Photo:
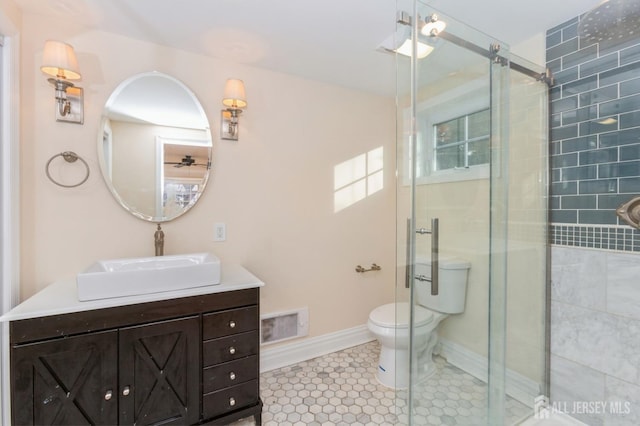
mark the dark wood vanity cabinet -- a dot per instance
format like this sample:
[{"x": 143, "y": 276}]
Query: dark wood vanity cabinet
[
  {"x": 66, "y": 381},
  {"x": 158, "y": 373},
  {"x": 229, "y": 358},
  {"x": 191, "y": 360}
]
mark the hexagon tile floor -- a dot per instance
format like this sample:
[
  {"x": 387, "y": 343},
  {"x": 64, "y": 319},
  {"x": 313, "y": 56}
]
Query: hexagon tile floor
[{"x": 341, "y": 389}]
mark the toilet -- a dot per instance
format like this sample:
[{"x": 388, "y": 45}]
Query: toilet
[{"x": 390, "y": 322}]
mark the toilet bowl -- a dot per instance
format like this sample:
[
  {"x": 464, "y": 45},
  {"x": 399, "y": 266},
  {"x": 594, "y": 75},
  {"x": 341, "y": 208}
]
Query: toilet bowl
[{"x": 390, "y": 323}]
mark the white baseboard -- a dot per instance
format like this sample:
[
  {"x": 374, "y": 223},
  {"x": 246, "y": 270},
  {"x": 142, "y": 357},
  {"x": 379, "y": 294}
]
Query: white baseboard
[
  {"x": 313, "y": 347},
  {"x": 519, "y": 387}
]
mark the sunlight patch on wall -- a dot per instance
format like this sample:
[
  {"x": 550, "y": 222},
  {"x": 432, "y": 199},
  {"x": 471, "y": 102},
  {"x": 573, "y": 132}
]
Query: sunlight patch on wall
[{"x": 357, "y": 178}]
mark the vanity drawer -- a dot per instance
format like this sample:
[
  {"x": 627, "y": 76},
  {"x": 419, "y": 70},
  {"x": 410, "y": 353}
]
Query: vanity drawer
[
  {"x": 230, "y": 399},
  {"x": 229, "y": 322},
  {"x": 226, "y": 349},
  {"x": 229, "y": 374}
]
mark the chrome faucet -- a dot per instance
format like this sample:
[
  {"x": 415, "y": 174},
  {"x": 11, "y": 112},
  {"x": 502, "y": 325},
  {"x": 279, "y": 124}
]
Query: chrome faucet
[{"x": 159, "y": 241}]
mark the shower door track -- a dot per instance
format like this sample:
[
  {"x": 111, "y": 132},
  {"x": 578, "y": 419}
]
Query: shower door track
[{"x": 492, "y": 53}]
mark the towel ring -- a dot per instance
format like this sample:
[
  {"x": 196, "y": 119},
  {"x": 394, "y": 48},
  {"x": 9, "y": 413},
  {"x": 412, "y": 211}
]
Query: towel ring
[{"x": 69, "y": 157}]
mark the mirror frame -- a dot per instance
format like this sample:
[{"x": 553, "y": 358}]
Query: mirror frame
[{"x": 104, "y": 169}]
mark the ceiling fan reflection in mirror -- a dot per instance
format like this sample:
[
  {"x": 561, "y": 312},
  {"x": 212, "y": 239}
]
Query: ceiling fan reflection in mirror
[{"x": 188, "y": 161}]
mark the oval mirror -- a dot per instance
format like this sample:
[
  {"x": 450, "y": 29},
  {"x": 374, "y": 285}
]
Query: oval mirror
[{"x": 154, "y": 147}]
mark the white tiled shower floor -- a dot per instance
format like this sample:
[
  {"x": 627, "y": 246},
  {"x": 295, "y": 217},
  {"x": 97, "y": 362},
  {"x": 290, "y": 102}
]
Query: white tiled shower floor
[{"x": 341, "y": 389}]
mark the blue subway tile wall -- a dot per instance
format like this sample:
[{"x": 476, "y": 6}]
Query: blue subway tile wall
[{"x": 595, "y": 138}]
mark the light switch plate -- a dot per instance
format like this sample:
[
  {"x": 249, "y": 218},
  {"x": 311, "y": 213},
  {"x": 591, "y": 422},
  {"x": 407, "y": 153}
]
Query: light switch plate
[{"x": 219, "y": 232}]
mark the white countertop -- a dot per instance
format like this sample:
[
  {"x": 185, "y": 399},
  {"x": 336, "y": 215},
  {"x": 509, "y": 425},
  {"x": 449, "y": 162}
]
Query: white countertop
[{"x": 61, "y": 297}]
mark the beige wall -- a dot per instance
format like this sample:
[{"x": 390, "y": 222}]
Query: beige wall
[
  {"x": 533, "y": 49},
  {"x": 10, "y": 17},
  {"x": 527, "y": 259},
  {"x": 135, "y": 162},
  {"x": 274, "y": 188}
]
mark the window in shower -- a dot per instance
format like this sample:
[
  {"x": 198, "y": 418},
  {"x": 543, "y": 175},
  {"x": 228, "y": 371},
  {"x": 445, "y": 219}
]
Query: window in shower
[
  {"x": 462, "y": 142},
  {"x": 453, "y": 133}
]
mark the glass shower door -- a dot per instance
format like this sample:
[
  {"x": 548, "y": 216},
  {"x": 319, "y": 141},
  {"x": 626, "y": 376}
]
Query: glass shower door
[{"x": 455, "y": 155}]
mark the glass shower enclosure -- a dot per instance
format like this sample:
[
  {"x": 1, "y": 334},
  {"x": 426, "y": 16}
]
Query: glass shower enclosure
[{"x": 472, "y": 196}]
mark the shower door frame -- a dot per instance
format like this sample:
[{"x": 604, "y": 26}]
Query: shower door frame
[{"x": 501, "y": 64}]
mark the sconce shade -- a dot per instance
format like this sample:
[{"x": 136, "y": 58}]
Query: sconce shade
[
  {"x": 59, "y": 60},
  {"x": 234, "y": 96}
]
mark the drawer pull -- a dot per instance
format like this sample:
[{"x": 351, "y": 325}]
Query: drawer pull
[
  {"x": 108, "y": 395},
  {"x": 232, "y": 401},
  {"x": 232, "y": 376},
  {"x": 232, "y": 350},
  {"x": 126, "y": 391},
  {"x": 232, "y": 324}
]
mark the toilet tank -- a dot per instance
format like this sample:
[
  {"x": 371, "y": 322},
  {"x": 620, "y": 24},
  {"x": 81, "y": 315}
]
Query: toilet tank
[{"x": 452, "y": 287}]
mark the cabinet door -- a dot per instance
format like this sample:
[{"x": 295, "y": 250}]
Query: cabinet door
[
  {"x": 159, "y": 373},
  {"x": 67, "y": 381}
]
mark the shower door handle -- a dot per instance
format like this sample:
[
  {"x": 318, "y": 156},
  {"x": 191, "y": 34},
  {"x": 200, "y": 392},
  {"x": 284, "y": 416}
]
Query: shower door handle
[
  {"x": 407, "y": 268},
  {"x": 435, "y": 244}
]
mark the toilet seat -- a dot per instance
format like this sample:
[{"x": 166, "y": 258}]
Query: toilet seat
[{"x": 386, "y": 315}]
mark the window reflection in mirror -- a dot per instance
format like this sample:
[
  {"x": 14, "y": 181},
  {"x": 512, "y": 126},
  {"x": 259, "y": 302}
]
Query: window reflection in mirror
[{"x": 185, "y": 165}]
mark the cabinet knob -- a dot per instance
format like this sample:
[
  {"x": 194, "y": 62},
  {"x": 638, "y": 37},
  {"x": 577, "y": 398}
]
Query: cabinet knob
[
  {"x": 232, "y": 350},
  {"x": 232, "y": 375},
  {"x": 126, "y": 391},
  {"x": 232, "y": 401},
  {"x": 232, "y": 324},
  {"x": 108, "y": 395}
]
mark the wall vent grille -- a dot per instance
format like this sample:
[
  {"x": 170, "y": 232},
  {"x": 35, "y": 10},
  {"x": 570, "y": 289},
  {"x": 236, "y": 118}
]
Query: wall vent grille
[{"x": 286, "y": 325}]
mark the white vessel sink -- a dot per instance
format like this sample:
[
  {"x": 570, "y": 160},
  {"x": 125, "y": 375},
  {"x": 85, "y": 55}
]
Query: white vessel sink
[{"x": 143, "y": 275}]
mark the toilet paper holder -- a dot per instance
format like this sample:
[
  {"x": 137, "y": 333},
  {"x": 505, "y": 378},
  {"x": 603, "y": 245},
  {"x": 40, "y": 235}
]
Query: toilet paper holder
[{"x": 362, "y": 270}]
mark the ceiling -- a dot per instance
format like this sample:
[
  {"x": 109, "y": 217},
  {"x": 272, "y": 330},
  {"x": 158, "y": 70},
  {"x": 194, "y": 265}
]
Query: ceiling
[{"x": 326, "y": 40}]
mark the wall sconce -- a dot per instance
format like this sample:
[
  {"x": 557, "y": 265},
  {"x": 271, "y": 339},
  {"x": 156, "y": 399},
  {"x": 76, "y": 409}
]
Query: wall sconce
[
  {"x": 235, "y": 100},
  {"x": 59, "y": 61}
]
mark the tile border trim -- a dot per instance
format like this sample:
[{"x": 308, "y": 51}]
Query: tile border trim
[{"x": 603, "y": 237}]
